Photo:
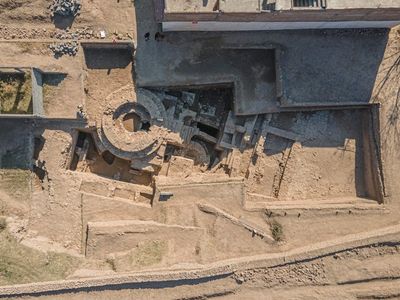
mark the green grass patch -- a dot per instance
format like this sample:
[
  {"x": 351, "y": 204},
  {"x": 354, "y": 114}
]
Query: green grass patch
[
  {"x": 276, "y": 230},
  {"x": 21, "y": 264},
  {"x": 147, "y": 253},
  {"x": 16, "y": 182},
  {"x": 16, "y": 93}
]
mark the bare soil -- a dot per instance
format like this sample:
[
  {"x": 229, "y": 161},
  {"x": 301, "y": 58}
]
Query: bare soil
[{"x": 212, "y": 186}]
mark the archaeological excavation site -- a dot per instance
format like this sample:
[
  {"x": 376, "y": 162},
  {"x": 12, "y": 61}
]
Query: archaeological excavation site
[{"x": 199, "y": 149}]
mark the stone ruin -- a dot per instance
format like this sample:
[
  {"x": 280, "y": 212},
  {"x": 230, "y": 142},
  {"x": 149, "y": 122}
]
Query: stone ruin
[
  {"x": 68, "y": 48},
  {"x": 65, "y": 7}
]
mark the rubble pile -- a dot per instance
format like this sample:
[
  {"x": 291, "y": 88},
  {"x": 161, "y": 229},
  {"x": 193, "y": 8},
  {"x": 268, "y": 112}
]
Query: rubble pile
[
  {"x": 9, "y": 33},
  {"x": 65, "y": 7},
  {"x": 68, "y": 48},
  {"x": 83, "y": 33}
]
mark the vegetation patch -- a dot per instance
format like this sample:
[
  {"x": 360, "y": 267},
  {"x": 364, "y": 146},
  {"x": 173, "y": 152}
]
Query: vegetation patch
[
  {"x": 149, "y": 253},
  {"x": 21, "y": 264},
  {"x": 16, "y": 182},
  {"x": 3, "y": 224},
  {"x": 16, "y": 93},
  {"x": 276, "y": 230},
  {"x": 145, "y": 254},
  {"x": 111, "y": 262}
]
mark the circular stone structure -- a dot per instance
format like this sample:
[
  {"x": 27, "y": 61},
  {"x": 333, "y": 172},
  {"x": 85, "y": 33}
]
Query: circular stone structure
[
  {"x": 197, "y": 151},
  {"x": 132, "y": 129}
]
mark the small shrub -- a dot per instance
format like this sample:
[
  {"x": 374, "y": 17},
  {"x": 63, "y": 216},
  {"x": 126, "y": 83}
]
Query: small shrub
[
  {"x": 111, "y": 262},
  {"x": 276, "y": 230},
  {"x": 3, "y": 224}
]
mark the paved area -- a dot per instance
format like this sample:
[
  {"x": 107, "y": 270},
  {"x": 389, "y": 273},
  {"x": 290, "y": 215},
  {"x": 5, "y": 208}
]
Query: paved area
[{"x": 317, "y": 67}]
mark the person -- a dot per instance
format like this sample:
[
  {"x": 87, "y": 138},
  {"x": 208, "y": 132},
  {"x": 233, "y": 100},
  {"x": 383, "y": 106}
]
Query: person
[{"x": 147, "y": 36}]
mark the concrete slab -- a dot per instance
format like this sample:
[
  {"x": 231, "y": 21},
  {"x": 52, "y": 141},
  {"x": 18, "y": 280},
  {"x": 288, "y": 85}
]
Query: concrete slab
[
  {"x": 252, "y": 71},
  {"x": 313, "y": 63}
]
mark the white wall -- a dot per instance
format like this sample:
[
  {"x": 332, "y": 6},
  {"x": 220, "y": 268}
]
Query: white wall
[
  {"x": 343, "y": 4},
  {"x": 255, "y": 26},
  {"x": 191, "y": 6},
  {"x": 333, "y": 4},
  {"x": 254, "y": 5},
  {"x": 240, "y": 5}
]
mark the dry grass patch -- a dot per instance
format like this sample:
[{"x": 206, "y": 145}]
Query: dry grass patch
[
  {"x": 148, "y": 253},
  {"x": 20, "y": 264},
  {"x": 16, "y": 93}
]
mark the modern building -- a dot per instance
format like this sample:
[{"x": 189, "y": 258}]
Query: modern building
[{"x": 246, "y": 15}]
